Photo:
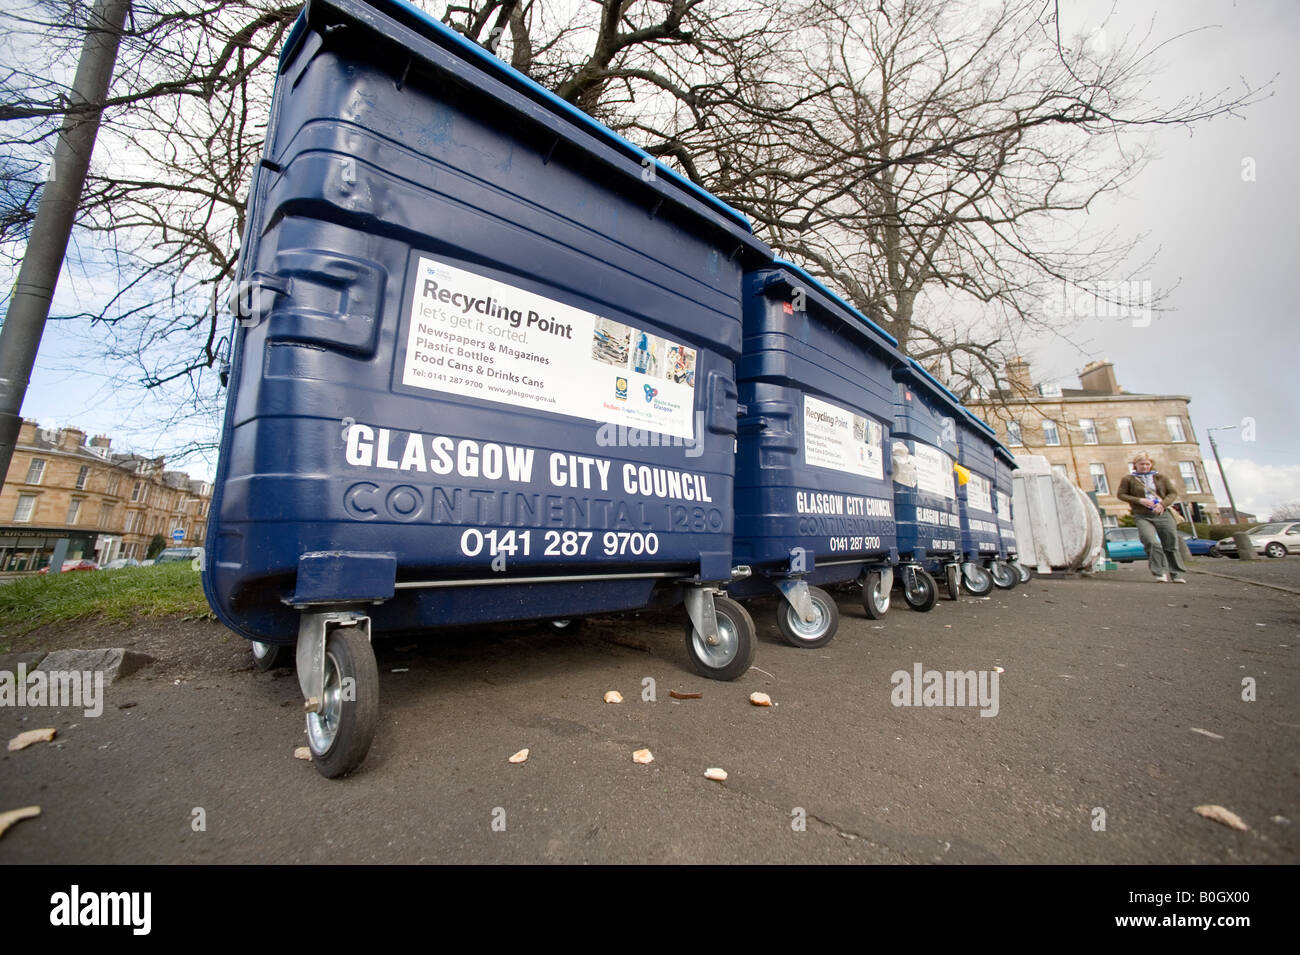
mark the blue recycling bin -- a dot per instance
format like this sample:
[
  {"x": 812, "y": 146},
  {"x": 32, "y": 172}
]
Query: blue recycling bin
[
  {"x": 927, "y": 419},
  {"x": 1005, "y": 464},
  {"x": 483, "y": 368},
  {"x": 814, "y": 503},
  {"x": 981, "y": 538}
]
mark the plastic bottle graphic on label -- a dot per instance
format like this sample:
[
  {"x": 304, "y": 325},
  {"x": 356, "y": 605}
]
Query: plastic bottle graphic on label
[{"x": 643, "y": 357}]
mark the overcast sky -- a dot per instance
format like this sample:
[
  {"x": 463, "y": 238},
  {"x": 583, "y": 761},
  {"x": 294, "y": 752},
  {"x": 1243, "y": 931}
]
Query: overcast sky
[{"x": 1229, "y": 341}]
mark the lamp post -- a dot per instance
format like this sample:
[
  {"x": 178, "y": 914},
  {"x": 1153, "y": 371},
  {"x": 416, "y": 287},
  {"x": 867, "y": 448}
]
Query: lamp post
[{"x": 1215, "y": 448}]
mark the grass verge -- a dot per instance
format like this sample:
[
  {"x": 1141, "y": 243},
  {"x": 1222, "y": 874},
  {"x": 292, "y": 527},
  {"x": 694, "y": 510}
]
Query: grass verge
[{"x": 117, "y": 595}]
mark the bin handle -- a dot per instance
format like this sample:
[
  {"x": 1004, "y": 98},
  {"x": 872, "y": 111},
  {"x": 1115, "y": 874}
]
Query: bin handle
[{"x": 722, "y": 410}]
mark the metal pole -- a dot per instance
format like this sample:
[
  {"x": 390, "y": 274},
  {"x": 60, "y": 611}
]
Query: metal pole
[
  {"x": 29, "y": 306},
  {"x": 1214, "y": 447}
]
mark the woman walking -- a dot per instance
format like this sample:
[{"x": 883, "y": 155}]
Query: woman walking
[{"x": 1148, "y": 495}]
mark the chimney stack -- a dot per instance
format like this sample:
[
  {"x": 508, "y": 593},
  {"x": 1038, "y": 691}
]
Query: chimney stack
[
  {"x": 1022, "y": 385},
  {"x": 71, "y": 438},
  {"x": 1099, "y": 376}
]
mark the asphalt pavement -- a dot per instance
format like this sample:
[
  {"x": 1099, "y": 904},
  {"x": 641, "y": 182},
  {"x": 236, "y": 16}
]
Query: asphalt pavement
[{"x": 1121, "y": 705}]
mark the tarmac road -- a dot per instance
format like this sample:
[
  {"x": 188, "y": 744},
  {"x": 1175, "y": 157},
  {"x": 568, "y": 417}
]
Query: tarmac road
[{"x": 1106, "y": 684}]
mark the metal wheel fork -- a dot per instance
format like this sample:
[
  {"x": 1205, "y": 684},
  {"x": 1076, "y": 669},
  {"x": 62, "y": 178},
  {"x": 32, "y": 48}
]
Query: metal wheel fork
[
  {"x": 700, "y": 610},
  {"x": 795, "y": 590},
  {"x": 313, "y": 628}
]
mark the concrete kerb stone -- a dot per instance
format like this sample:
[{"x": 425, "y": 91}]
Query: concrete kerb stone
[
  {"x": 1247, "y": 580},
  {"x": 115, "y": 662}
]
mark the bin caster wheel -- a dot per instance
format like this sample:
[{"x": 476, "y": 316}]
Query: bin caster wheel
[
  {"x": 978, "y": 581},
  {"x": 271, "y": 656},
  {"x": 340, "y": 731},
  {"x": 1026, "y": 575},
  {"x": 733, "y": 651},
  {"x": 875, "y": 603},
  {"x": 808, "y": 634},
  {"x": 924, "y": 594},
  {"x": 1003, "y": 574},
  {"x": 952, "y": 580}
]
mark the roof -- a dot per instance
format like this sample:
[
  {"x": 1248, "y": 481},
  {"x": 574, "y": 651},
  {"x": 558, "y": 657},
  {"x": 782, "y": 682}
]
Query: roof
[{"x": 1003, "y": 396}]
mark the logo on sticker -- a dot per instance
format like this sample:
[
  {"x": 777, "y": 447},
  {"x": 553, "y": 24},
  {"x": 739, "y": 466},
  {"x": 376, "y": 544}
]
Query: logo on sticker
[
  {"x": 620, "y": 389},
  {"x": 650, "y": 393}
]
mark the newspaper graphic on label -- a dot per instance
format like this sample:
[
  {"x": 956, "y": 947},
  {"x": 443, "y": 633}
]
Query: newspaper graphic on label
[
  {"x": 836, "y": 438},
  {"x": 978, "y": 496},
  {"x": 933, "y": 470},
  {"x": 474, "y": 336}
]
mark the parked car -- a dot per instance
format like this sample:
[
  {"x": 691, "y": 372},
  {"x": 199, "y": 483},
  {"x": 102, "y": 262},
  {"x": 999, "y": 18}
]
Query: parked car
[
  {"x": 1202, "y": 546},
  {"x": 71, "y": 565},
  {"x": 1124, "y": 546},
  {"x": 174, "y": 555},
  {"x": 120, "y": 563},
  {"x": 1272, "y": 540}
]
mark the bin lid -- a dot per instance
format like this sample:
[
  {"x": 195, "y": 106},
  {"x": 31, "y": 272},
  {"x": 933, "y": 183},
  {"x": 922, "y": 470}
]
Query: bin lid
[
  {"x": 1000, "y": 450},
  {"x": 829, "y": 302},
  {"x": 910, "y": 371},
  {"x": 535, "y": 101},
  {"x": 982, "y": 425}
]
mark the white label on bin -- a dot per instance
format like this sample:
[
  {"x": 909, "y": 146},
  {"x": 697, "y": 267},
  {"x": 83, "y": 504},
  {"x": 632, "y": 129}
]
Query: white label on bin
[
  {"x": 933, "y": 470},
  {"x": 977, "y": 493},
  {"x": 1004, "y": 507},
  {"x": 836, "y": 438},
  {"x": 474, "y": 336}
]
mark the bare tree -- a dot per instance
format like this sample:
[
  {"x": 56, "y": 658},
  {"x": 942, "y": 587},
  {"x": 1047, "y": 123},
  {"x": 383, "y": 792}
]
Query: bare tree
[
  {"x": 1285, "y": 512},
  {"x": 928, "y": 159},
  {"x": 943, "y": 187}
]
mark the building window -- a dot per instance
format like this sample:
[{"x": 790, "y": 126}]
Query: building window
[
  {"x": 113, "y": 482},
  {"x": 26, "y": 507},
  {"x": 1190, "y": 482},
  {"x": 1126, "y": 432},
  {"x": 1013, "y": 434},
  {"x": 1061, "y": 470},
  {"x": 35, "y": 471},
  {"x": 1109, "y": 521},
  {"x": 1099, "y": 483},
  {"x": 129, "y": 526},
  {"x": 81, "y": 477},
  {"x": 105, "y": 515},
  {"x": 1175, "y": 426},
  {"x": 1051, "y": 437},
  {"x": 135, "y": 491},
  {"x": 74, "y": 511},
  {"x": 1089, "y": 430}
]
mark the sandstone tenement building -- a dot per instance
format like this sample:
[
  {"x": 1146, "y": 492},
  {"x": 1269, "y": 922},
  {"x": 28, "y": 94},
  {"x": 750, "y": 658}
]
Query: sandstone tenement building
[{"x": 106, "y": 504}]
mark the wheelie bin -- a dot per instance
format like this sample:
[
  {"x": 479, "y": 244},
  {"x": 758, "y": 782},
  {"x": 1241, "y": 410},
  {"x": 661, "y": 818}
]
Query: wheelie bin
[
  {"x": 814, "y": 504},
  {"x": 1004, "y": 464},
  {"x": 483, "y": 368},
  {"x": 924, "y": 450},
  {"x": 976, "y": 476}
]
